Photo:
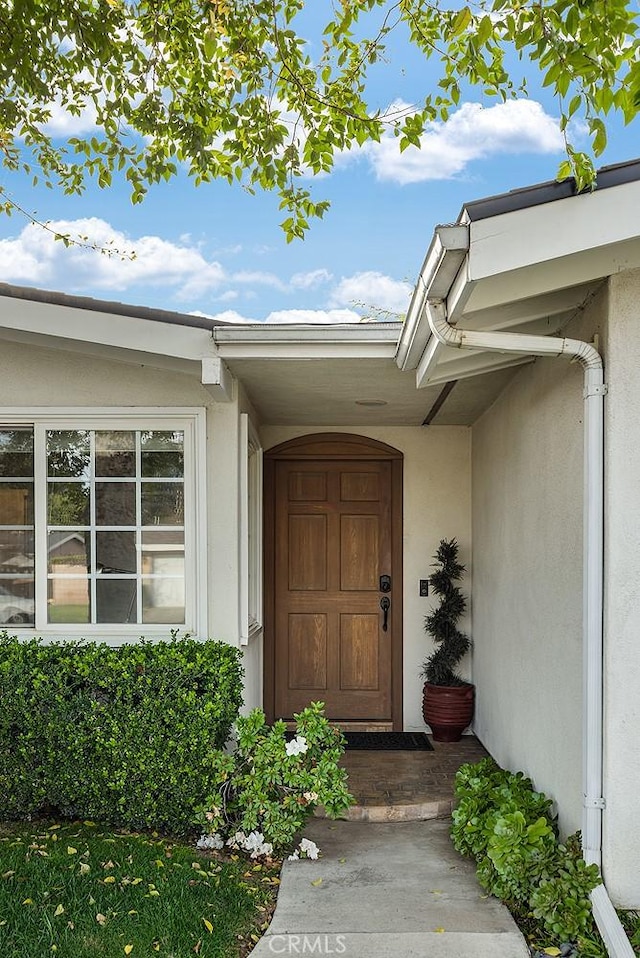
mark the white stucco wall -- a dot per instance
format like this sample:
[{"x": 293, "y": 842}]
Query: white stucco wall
[
  {"x": 437, "y": 505},
  {"x": 527, "y": 560},
  {"x": 621, "y": 839}
]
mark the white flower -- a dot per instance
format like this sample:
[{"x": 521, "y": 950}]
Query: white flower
[
  {"x": 294, "y": 856},
  {"x": 210, "y": 841},
  {"x": 254, "y": 842},
  {"x": 296, "y": 746},
  {"x": 310, "y": 796},
  {"x": 309, "y": 848},
  {"x": 237, "y": 840}
]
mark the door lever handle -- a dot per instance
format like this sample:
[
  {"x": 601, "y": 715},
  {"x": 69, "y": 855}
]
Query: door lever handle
[{"x": 385, "y": 603}]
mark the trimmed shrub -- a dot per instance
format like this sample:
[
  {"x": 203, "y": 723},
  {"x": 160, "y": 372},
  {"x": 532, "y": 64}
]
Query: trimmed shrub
[{"x": 122, "y": 735}]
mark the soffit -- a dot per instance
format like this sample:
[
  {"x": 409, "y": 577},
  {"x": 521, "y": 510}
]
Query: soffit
[{"x": 324, "y": 393}]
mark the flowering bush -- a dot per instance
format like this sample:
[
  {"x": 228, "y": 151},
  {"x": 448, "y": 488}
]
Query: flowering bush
[{"x": 269, "y": 787}]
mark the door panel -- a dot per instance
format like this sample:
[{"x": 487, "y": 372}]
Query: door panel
[
  {"x": 332, "y": 542},
  {"x": 359, "y": 553},
  {"x": 359, "y": 638},
  {"x": 307, "y": 548},
  {"x": 308, "y": 651}
]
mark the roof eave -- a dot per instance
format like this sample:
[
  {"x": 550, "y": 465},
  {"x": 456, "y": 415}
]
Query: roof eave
[{"x": 444, "y": 260}]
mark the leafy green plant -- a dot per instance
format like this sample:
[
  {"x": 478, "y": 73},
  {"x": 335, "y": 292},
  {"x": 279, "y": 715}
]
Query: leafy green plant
[
  {"x": 442, "y": 622},
  {"x": 269, "y": 786},
  {"x": 484, "y": 792},
  {"x": 231, "y": 90},
  {"x": 561, "y": 901},
  {"x": 631, "y": 922},
  {"x": 517, "y": 855},
  {"x": 508, "y": 827},
  {"x": 121, "y": 735}
]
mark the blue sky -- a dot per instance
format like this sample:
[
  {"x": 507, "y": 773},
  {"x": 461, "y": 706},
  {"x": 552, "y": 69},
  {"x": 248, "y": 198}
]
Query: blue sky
[{"x": 216, "y": 250}]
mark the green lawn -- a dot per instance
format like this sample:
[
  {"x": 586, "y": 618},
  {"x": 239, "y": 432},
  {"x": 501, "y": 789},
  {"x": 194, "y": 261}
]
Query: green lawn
[{"x": 82, "y": 890}]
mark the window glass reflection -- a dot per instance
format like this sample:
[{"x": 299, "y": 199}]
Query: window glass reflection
[
  {"x": 69, "y": 601},
  {"x": 16, "y": 452},
  {"x": 162, "y": 454},
  {"x": 68, "y": 504},
  {"x": 115, "y": 504},
  {"x": 162, "y": 504},
  {"x": 163, "y": 600},
  {"x": 68, "y": 453},
  {"x": 69, "y": 552},
  {"x": 115, "y": 453},
  {"x": 116, "y": 600}
]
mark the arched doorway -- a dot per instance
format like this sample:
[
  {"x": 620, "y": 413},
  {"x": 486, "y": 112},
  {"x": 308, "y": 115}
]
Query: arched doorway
[{"x": 333, "y": 560}]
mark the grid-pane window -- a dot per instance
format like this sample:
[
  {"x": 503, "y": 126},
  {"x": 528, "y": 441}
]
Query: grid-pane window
[
  {"x": 115, "y": 526},
  {"x": 17, "y": 551},
  {"x": 92, "y": 526}
]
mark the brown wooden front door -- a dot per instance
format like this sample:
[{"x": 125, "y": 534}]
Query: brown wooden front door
[{"x": 332, "y": 508}]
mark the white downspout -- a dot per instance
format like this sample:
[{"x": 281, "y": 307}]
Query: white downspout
[{"x": 613, "y": 934}]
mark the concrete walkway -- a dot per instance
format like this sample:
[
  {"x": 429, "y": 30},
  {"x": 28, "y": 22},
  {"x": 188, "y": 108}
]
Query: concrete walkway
[{"x": 395, "y": 890}]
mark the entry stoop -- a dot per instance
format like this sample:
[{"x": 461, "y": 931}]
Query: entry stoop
[{"x": 409, "y": 786}]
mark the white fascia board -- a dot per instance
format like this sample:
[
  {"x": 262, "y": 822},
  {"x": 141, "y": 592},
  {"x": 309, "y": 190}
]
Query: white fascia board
[
  {"x": 113, "y": 354},
  {"x": 444, "y": 261},
  {"x": 546, "y": 277},
  {"x": 358, "y": 341},
  {"x": 267, "y": 335},
  {"x": 317, "y": 350},
  {"x": 552, "y": 231},
  {"x": 426, "y": 368},
  {"x": 105, "y": 329}
]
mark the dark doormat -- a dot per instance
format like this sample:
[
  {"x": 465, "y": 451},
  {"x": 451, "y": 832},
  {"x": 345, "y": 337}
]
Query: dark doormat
[{"x": 388, "y": 741}]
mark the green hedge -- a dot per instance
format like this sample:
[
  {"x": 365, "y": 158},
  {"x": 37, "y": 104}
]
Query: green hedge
[{"x": 121, "y": 735}]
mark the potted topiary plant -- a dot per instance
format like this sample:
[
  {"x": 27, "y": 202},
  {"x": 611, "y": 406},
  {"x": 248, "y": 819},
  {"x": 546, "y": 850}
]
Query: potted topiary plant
[{"x": 448, "y": 700}]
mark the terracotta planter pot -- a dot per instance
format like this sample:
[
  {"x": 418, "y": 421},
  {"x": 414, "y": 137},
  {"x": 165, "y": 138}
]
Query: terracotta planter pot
[{"x": 448, "y": 710}]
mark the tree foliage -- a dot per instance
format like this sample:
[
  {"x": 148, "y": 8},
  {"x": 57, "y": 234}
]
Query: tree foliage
[{"x": 239, "y": 90}]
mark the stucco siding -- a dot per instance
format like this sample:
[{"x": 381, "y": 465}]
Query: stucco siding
[
  {"x": 437, "y": 505},
  {"x": 621, "y": 839},
  {"x": 527, "y": 565}
]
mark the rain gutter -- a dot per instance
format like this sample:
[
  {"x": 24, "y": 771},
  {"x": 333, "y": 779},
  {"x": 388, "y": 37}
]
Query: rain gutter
[{"x": 431, "y": 302}]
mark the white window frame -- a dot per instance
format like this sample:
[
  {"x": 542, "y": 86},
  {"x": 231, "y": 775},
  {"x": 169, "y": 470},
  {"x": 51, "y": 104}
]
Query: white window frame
[
  {"x": 189, "y": 420},
  {"x": 250, "y": 531}
]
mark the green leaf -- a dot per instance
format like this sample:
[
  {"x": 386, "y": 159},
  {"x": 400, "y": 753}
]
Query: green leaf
[{"x": 461, "y": 22}]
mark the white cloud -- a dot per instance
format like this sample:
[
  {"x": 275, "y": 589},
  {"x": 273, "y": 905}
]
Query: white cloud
[
  {"x": 226, "y": 316},
  {"x": 325, "y": 316},
  {"x": 64, "y": 124},
  {"x": 34, "y": 256},
  {"x": 260, "y": 277},
  {"x": 372, "y": 290},
  {"x": 311, "y": 280},
  {"x": 184, "y": 272},
  {"x": 473, "y": 132}
]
